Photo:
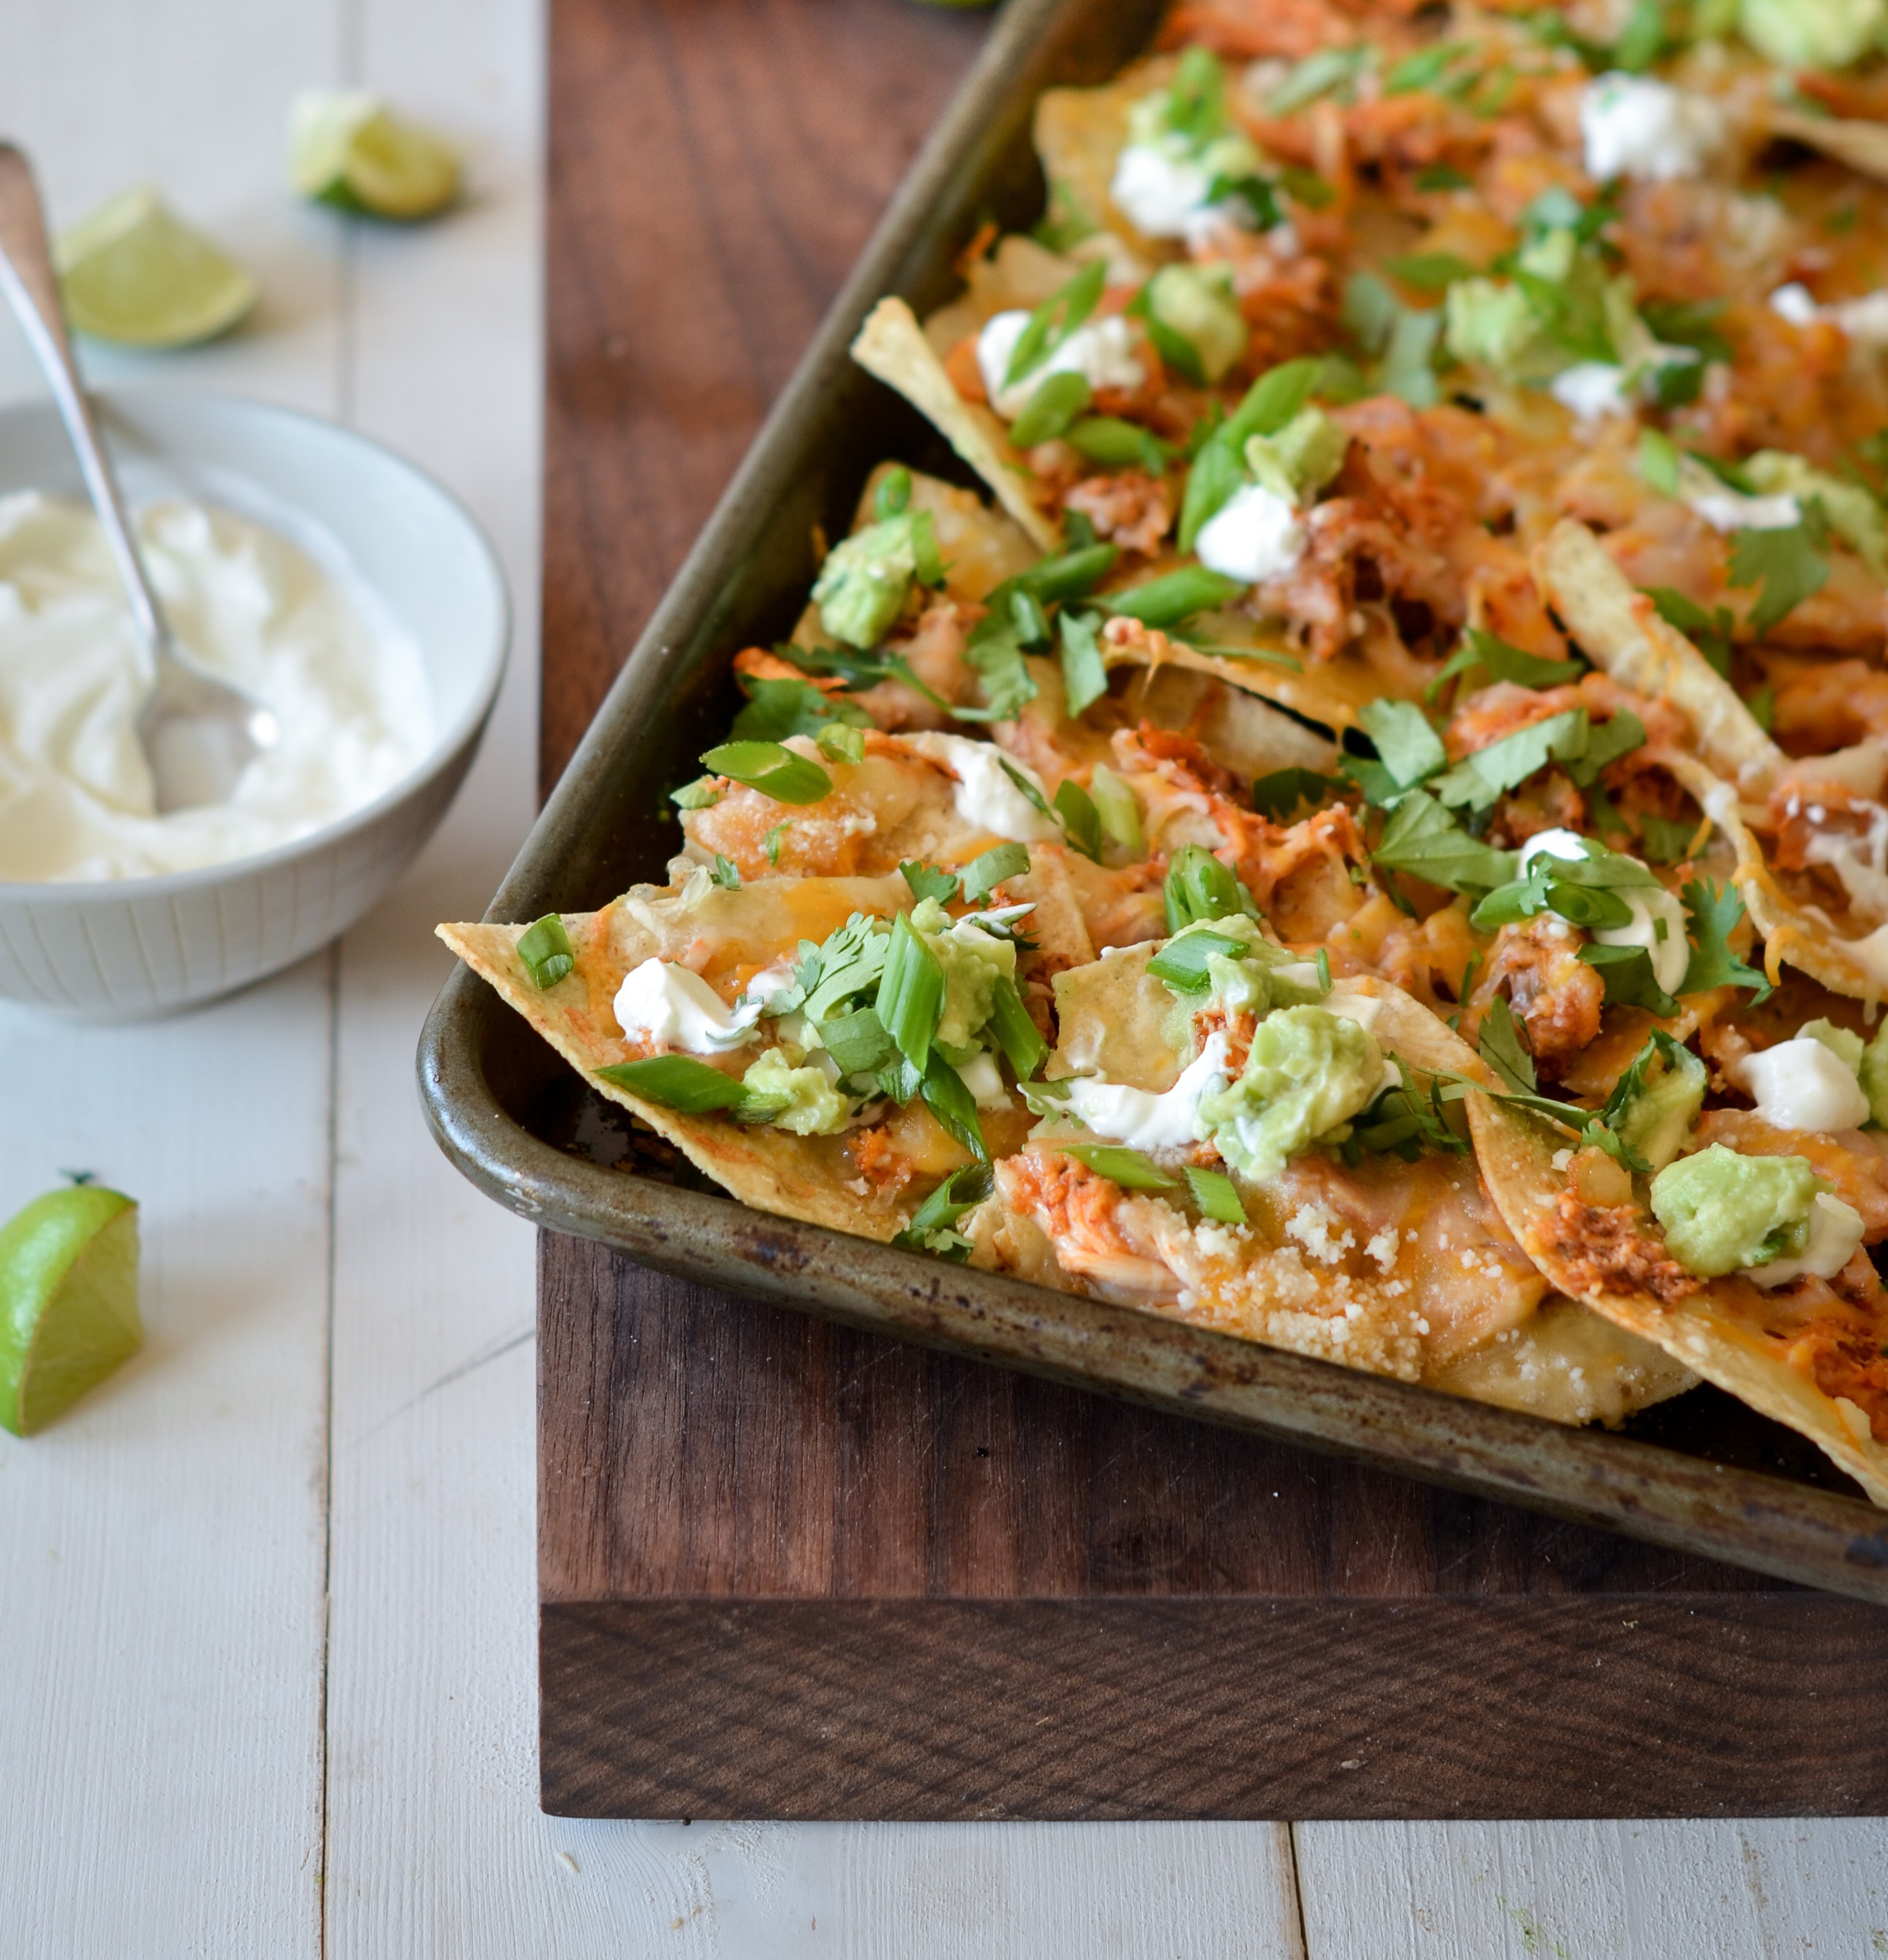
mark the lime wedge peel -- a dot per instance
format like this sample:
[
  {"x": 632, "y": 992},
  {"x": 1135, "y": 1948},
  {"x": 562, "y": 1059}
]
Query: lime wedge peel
[
  {"x": 68, "y": 1301},
  {"x": 348, "y": 149},
  {"x": 134, "y": 272}
]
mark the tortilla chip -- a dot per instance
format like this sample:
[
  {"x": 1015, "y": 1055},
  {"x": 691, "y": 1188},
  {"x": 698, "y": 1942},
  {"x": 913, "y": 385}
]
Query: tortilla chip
[
  {"x": 806, "y": 1177},
  {"x": 891, "y": 346},
  {"x": 1242, "y": 730},
  {"x": 1862, "y": 146},
  {"x": 1804, "y": 937},
  {"x": 1618, "y": 629},
  {"x": 1018, "y": 275},
  {"x": 1336, "y": 1263},
  {"x": 1699, "y": 1331},
  {"x": 1080, "y": 133}
]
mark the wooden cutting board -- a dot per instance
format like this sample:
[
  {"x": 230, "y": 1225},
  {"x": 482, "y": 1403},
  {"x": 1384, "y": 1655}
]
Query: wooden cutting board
[{"x": 790, "y": 1570}]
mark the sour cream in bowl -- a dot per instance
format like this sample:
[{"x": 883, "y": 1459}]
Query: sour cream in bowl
[{"x": 335, "y": 584}]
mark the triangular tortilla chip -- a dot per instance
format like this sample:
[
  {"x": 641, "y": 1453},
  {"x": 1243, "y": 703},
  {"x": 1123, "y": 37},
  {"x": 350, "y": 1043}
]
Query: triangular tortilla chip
[
  {"x": 797, "y": 1177},
  {"x": 1703, "y": 1331},
  {"x": 891, "y": 346},
  {"x": 1618, "y": 629},
  {"x": 1862, "y": 146}
]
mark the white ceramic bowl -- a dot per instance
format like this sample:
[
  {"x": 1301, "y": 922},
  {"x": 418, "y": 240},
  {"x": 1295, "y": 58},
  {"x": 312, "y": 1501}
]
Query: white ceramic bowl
[{"x": 120, "y": 949}]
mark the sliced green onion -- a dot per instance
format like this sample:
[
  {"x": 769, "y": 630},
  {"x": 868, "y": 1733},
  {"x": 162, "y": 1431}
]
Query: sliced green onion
[
  {"x": 1131, "y": 1170},
  {"x": 1070, "y": 575},
  {"x": 1055, "y": 319},
  {"x": 1120, "y": 445},
  {"x": 1199, "y": 888},
  {"x": 545, "y": 949},
  {"x": 840, "y": 744},
  {"x": 1115, "y": 804},
  {"x": 930, "y": 1230},
  {"x": 678, "y": 1082},
  {"x": 951, "y": 1103},
  {"x": 1084, "y": 672},
  {"x": 927, "y": 881},
  {"x": 1182, "y": 963},
  {"x": 1016, "y": 1034},
  {"x": 772, "y": 841},
  {"x": 695, "y": 796},
  {"x": 1055, "y": 404},
  {"x": 1272, "y": 400},
  {"x": 1032, "y": 623},
  {"x": 893, "y": 492},
  {"x": 1215, "y": 1195},
  {"x": 911, "y": 993},
  {"x": 858, "y": 1042},
  {"x": 1177, "y": 596},
  {"x": 1081, "y": 821},
  {"x": 982, "y": 875},
  {"x": 781, "y": 773}
]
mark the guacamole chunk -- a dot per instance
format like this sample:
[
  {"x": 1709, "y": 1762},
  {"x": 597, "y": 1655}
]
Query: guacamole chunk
[
  {"x": 1813, "y": 34},
  {"x": 1309, "y": 1072},
  {"x": 972, "y": 960},
  {"x": 1873, "y": 1073},
  {"x": 864, "y": 584},
  {"x": 814, "y": 1107},
  {"x": 1723, "y": 1212},
  {"x": 1196, "y": 302},
  {"x": 1304, "y": 455},
  {"x": 1656, "y": 1120}
]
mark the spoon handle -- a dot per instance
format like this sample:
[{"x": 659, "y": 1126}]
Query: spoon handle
[{"x": 27, "y": 277}]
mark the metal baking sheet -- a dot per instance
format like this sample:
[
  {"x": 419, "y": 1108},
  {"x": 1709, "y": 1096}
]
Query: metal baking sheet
[{"x": 524, "y": 1128}]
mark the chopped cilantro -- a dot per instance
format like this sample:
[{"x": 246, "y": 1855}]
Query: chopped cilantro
[
  {"x": 1501, "y": 661},
  {"x": 1283, "y": 792},
  {"x": 1715, "y": 911},
  {"x": 1407, "y": 746},
  {"x": 1785, "y": 564},
  {"x": 1422, "y": 839}
]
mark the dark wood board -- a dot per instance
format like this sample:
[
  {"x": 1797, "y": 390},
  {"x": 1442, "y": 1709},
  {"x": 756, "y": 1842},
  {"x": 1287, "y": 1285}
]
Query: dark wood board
[{"x": 787, "y": 1569}]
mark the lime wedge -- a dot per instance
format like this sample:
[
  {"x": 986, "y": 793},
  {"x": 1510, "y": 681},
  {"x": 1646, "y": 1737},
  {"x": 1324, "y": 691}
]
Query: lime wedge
[
  {"x": 132, "y": 272},
  {"x": 68, "y": 1301},
  {"x": 350, "y": 150}
]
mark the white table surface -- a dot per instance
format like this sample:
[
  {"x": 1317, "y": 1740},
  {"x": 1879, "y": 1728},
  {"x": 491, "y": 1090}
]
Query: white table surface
[{"x": 266, "y": 1631}]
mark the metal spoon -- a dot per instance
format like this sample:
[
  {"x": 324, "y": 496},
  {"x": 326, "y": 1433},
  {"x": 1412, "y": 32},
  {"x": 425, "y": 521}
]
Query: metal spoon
[{"x": 197, "y": 734}]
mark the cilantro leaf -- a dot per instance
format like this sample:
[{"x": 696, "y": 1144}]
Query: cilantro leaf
[
  {"x": 1405, "y": 1122},
  {"x": 1282, "y": 792},
  {"x": 776, "y": 709},
  {"x": 1606, "y": 743},
  {"x": 927, "y": 881},
  {"x": 1421, "y": 838},
  {"x": 1709, "y": 632},
  {"x": 1501, "y": 661},
  {"x": 1408, "y": 748},
  {"x": 1083, "y": 673},
  {"x": 1785, "y": 564},
  {"x": 1714, "y": 911},
  {"x": 1478, "y": 780},
  {"x": 1501, "y": 1048},
  {"x": 1630, "y": 981},
  {"x": 930, "y": 1229}
]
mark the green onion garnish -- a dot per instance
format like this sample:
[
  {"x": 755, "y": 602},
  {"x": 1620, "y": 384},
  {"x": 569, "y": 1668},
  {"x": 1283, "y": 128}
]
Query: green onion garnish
[
  {"x": 1056, "y": 403},
  {"x": 893, "y": 492},
  {"x": 1131, "y": 1169},
  {"x": 840, "y": 743},
  {"x": 982, "y": 875},
  {"x": 1182, "y": 963},
  {"x": 1199, "y": 888},
  {"x": 695, "y": 796},
  {"x": 1084, "y": 672},
  {"x": 776, "y": 771},
  {"x": 678, "y": 1082},
  {"x": 1215, "y": 1194},
  {"x": 545, "y": 949},
  {"x": 1016, "y": 1033},
  {"x": 951, "y": 1103},
  {"x": 1081, "y": 821},
  {"x": 1114, "y": 804},
  {"x": 1169, "y": 600},
  {"x": 1055, "y": 319},
  {"x": 911, "y": 993},
  {"x": 930, "y": 1230}
]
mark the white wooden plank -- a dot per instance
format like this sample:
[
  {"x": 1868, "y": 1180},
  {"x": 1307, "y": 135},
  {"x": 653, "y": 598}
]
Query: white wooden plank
[
  {"x": 1630, "y": 1891},
  {"x": 160, "y": 1642},
  {"x": 162, "y": 1639}
]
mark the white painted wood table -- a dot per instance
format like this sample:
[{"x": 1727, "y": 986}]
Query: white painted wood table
[{"x": 266, "y": 1681}]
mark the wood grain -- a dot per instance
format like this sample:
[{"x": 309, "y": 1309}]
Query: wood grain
[{"x": 788, "y": 1569}]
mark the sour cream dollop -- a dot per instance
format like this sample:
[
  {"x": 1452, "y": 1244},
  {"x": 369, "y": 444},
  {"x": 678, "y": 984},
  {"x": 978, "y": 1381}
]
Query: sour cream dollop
[
  {"x": 986, "y": 792},
  {"x": 1142, "y": 1120},
  {"x": 1835, "y": 1230},
  {"x": 347, "y": 689},
  {"x": 669, "y": 1006},
  {"x": 1255, "y": 534},
  {"x": 1634, "y": 126},
  {"x": 1805, "y": 1085},
  {"x": 1100, "y": 350}
]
